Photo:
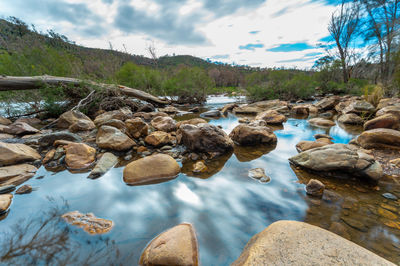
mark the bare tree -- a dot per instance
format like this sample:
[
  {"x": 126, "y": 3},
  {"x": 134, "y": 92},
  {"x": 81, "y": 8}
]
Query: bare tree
[
  {"x": 343, "y": 29},
  {"x": 152, "y": 51}
]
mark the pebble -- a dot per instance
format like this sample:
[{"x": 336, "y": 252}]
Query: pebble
[
  {"x": 128, "y": 157},
  {"x": 259, "y": 174},
  {"x": 315, "y": 188},
  {"x": 25, "y": 189},
  {"x": 389, "y": 196}
]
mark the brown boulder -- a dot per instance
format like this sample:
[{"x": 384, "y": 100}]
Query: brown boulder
[
  {"x": 16, "y": 153},
  {"x": 158, "y": 138},
  {"x": 151, "y": 169},
  {"x": 176, "y": 246},
  {"x": 359, "y": 107},
  {"x": 193, "y": 121},
  {"x": 79, "y": 155},
  {"x": 380, "y": 138},
  {"x": 4, "y": 121},
  {"x": 321, "y": 122},
  {"x": 6, "y": 136},
  {"x": 166, "y": 124},
  {"x": 271, "y": 117},
  {"x": 351, "y": 119},
  {"x": 308, "y": 145},
  {"x": 248, "y": 135},
  {"x": 82, "y": 125},
  {"x": 69, "y": 118},
  {"x": 16, "y": 174},
  {"x": 149, "y": 116},
  {"x": 384, "y": 121},
  {"x": 385, "y": 102},
  {"x": 302, "y": 109},
  {"x": 394, "y": 110},
  {"x": 25, "y": 189},
  {"x": 327, "y": 103},
  {"x": 169, "y": 110},
  {"x": 114, "y": 123},
  {"x": 5, "y": 202},
  {"x": 20, "y": 128},
  {"x": 136, "y": 127},
  {"x": 315, "y": 188},
  {"x": 121, "y": 114},
  {"x": 112, "y": 138}
]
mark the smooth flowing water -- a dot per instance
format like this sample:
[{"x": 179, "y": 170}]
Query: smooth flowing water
[{"x": 225, "y": 206}]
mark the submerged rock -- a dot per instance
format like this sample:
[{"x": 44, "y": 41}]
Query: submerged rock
[
  {"x": 380, "y": 138},
  {"x": 106, "y": 162},
  {"x": 79, "y": 155},
  {"x": 25, "y": 189},
  {"x": 16, "y": 174},
  {"x": 292, "y": 242},
  {"x": 339, "y": 160},
  {"x": 199, "y": 167},
  {"x": 176, "y": 246},
  {"x": 315, "y": 188},
  {"x": 113, "y": 139},
  {"x": 17, "y": 153},
  {"x": 88, "y": 222},
  {"x": 151, "y": 169},
  {"x": 248, "y": 135},
  {"x": 5, "y": 202},
  {"x": 166, "y": 124},
  {"x": 259, "y": 174}
]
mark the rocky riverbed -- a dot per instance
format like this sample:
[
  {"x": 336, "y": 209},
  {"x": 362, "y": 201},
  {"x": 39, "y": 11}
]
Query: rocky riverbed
[{"x": 227, "y": 169}]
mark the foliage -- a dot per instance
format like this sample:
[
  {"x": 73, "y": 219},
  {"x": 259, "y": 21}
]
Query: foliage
[{"x": 373, "y": 94}]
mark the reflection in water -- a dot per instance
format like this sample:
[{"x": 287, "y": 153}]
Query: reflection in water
[
  {"x": 250, "y": 153},
  {"x": 213, "y": 166}
]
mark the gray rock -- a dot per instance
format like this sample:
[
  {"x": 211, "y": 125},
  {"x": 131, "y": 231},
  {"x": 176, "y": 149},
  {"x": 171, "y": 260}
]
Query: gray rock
[
  {"x": 7, "y": 189},
  {"x": 49, "y": 139},
  {"x": 106, "y": 162},
  {"x": 315, "y": 188},
  {"x": 389, "y": 196},
  {"x": 212, "y": 113}
]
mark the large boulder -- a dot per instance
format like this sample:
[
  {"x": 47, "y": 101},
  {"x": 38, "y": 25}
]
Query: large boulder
[
  {"x": 380, "y": 138},
  {"x": 11, "y": 153},
  {"x": 327, "y": 103},
  {"x": 385, "y": 102},
  {"x": 70, "y": 118},
  {"x": 114, "y": 123},
  {"x": 5, "y": 202},
  {"x": 308, "y": 145},
  {"x": 16, "y": 174},
  {"x": 204, "y": 138},
  {"x": 166, "y": 124},
  {"x": 121, "y": 114},
  {"x": 271, "y": 117},
  {"x": 106, "y": 162},
  {"x": 149, "y": 116},
  {"x": 258, "y": 107},
  {"x": 212, "y": 113},
  {"x": 169, "y": 110},
  {"x": 113, "y": 139},
  {"x": 339, "y": 160},
  {"x": 151, "y": 169},
  {"x": 351, "y": 119},
  {"x": 82, "y": 125},
  {"x": 176, "y": 246},
  {"x": 136, "y": 127},
  {"x": 321, "y": 122},
  {"x": 193, "y": 121},
  {"x": 79, "y": 155},
  {"x": 384, "y": 121},
  {"x": 248, "y": 135},
  {"x": 49, "y": 139},
  {"x": 159, "y": 138},
  {"x": 298, "y": 243},
  {"x": 20, "y": 128},
  {"x": 5, "y": 121},
  {"x": 393, "y": 110},
  {"x": 359, "y": 107}
]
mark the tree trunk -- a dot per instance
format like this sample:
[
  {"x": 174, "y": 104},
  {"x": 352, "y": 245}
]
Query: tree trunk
[{"x": 9, "y": 83}]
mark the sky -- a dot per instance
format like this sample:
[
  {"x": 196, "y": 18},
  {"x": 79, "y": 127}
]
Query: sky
[{"x": 258, "y": 33}]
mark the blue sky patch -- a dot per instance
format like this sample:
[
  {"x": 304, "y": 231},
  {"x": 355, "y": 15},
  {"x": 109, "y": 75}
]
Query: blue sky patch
[
  {"x": 254, "y": 32},
  {"x": 291, "y": 47},
  {"x": 220, "y": 56},
  {"x": 251, "y": 46}
]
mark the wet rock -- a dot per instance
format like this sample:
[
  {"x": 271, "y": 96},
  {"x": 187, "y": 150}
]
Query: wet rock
[
  {"x": 271, "y": 117},
  {"x": 49, "y": 156},
  {"x": 147, "y": 108},
  {"x": 259, "y": 174},
  {"x": 5, "y": 121},
  {"x": 121, "y": 114},
  {"x": 79, "y": 155},
  {"x": 386, "y": 214},
  {"x": 351, "y": 119},
  {"x": 176, "y": 246},
  {"x": 16, "y": 174},
  {"x": 339, "y": 160},
  {"x": 228, "y": 107},
  {"x": 380, "y": 138},
  {"x": 194, "y": 110},
  {"x": 169, "y": 110},
  {"x": 199, "y": 167},
  {"x": 248, "y": 135},
  {"x": 359, "y": 107},
  {"x": 158, "y": 138},
  {"x": 302, "y": 109},
  {"x": 20, "y": 128},
  {"x": 328, "y": 114},
  {"x": 113, "y": 139},
  {"x": 212, "y": 113},
  {"x": 5, "y": 202},
  {"x": 49, "y": 139},
  {"x": 327, "y": 103},
  {"x": 321, "y": 122},
  {"x": 25, "y": 189},
  {"x": 7, "y": 188},
  {"x": 315, "y": 188},
  {"x": 137, "y": 128},
  {"x": 88, "y": 222},
  {"x": 11, "y": 153},
  {"x": 383, "y": 121},
  {"x": 69, "y": 118},
  {"x": 292, "y": 242},
  {"x": 308, "y": 145},
  {"x": 82, "y": 125},
  {"x": 204, "y": 138},
  {"x": 321, "y": 136},
  {"x": 106, "y": 162},
  {"x": 166, "y": 124},
  {"x": 247, "y": 110},
  {"x": 193, "y": 121},
  {"x": 389, "y": 196},
  {"x": 356, "y": 224},
  {"x": 339, "y": 229},
  {"x": 141, "y": 149},
  {"x": 154, "y": 168}
]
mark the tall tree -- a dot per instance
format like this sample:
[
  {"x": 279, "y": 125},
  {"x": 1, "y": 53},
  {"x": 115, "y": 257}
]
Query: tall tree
[{"x": 343, "y": 28}]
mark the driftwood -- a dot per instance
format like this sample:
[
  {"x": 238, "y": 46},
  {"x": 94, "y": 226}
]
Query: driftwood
[{"x": 9, "y": 83}]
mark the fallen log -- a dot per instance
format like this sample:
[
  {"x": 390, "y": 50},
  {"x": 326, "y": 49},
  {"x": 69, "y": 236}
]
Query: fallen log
[{"x": 9, "y": 83}]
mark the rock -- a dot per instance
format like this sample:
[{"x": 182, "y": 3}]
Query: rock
[
  {"x": 121, "y": 114},
  {"x": 386, "y": 102},
  {"x": 199, "y": 167},
  {"x": 20, "y": 128},
  {"x": 315, "y": 188},
  {"x": 67, "y": 119},
  {"x": 321, "y": 122},
  {"x": 246, "y": 110},
  {"x": 141, "y": 149},
  {"x": 5, "y": 121},
  {"x": 166, "y": 124},
  {"x": 359, "y": 107},
  {"x": 7, "y": 188},
  {"x": 32, "y": 121},
  {"x": 5, "y": 136},
  {"x": 298, "y": 243},
  {"x": 212, "y": 113},
  {"x": 389, "y": 196},
  {"x": 380, "y": 138},
  {"x": 259, "y": 174},
  {"x": 49, "y": 139},
  {"x": 151, "y": 169},
  {"x": 79, "y": 155},
  {"x": 114, "y": 123},
  {"x": 228, "y": 107},
  {"x": 386, "y": 214},
  {"x": 136, "y": 127},
  {"x": 147, "y": 108},
  {"x": 193, "y": 121},
  {"x": 25, "y": 189},
  {"x": 169, "y": 110},
  {"x": 271, "y": 117},
  {"x": 113, "y": 139},
  {"x": 302, "y": 109},
  {"x": 176, "y": 246},
  {"x": 384, "y": 121},
  {"x": 327, "y": 103},
  {"x": 328, "y": 114},
  {"x": 16, "y": 174},
  {"x": 322, "y": 136},
  {"x": 5, "y": 202},
  {"x": 248, "y": 135},
  {"x": 395, "y": 162},
  {"x": 194, "y": 110},
  {"x": 308, "y": 145},
  {"x": 149, "y": 116},
  {"x": 393, "y": 110},
  {"x": 88, "y": 222},
  {"x": 356, "y": 224},
  {"x": 11, "y": 153},
  {"x": 49, "y": 156},
  {"x": 351, "y": 119},
  {"x": 339, "y": 160},
  {"x": 158, "y": 138},
  {"x": 339, "y": 229},
  {"x": 106, "y": 162},
  {"x": 204, "y": 138}
]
